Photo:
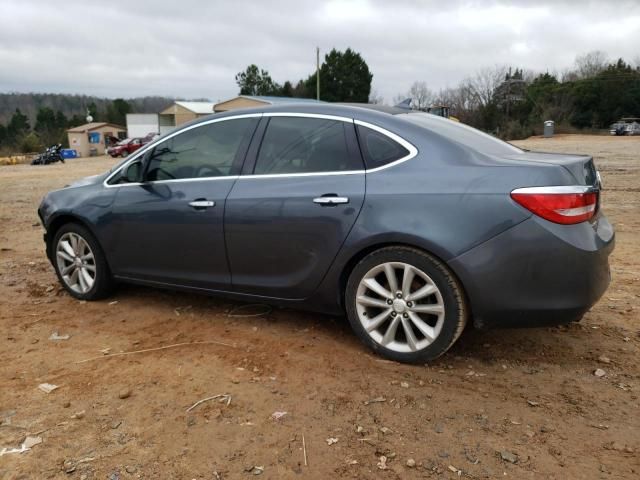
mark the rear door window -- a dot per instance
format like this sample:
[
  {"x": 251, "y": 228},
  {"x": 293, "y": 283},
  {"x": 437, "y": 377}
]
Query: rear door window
[
  {"x": 305, "y": 145},
  {"x": 378, "y": 149}
]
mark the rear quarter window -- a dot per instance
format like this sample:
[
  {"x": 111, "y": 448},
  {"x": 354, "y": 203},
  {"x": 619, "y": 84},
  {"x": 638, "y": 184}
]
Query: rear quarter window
[{"x": 378, "y": 149}]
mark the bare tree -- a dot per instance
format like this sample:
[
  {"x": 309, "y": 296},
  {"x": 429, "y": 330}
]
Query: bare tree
[
  {"x": 419, "y": 93},
  {"x": 484, "y": 83},
  {"x": 590, "y": 64},
  {"x": 421, "y": 96}
]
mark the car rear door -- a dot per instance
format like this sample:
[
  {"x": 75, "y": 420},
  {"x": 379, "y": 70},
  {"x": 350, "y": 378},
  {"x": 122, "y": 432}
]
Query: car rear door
[
  {"x": 168, "y": 228},
  {"x": 287, "y": 218}
]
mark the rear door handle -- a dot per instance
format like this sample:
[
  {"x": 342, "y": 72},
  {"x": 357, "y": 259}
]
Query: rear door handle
[
  {"x": 330, "y": 200},
  {"x": 202, "y": 204}
]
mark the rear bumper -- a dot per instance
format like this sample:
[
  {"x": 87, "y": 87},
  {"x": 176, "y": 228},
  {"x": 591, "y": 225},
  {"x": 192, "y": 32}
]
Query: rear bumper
[{"x": 537, "y": 273}]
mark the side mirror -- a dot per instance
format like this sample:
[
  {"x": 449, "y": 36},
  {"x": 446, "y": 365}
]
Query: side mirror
[{"x": 132, "y": 173}]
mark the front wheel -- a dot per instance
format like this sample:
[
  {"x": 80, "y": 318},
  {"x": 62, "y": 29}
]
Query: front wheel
[
  {"x": 405, "y": 304},
  {"x": 80, "y": 264}
]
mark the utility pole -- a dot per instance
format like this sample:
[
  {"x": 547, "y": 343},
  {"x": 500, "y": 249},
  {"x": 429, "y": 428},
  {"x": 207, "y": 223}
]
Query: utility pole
[{"x": 318, "y": 73}]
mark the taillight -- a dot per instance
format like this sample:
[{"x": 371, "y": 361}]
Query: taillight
[{"x": 565, "y": 205}]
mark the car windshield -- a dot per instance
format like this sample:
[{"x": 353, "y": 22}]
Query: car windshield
[
  {"x": 461, "y": 133},
  {"x": 125, "y": 141}
]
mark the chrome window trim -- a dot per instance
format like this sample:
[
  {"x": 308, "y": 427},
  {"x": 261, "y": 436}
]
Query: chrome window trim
[
  {"x": 413, "y": 151},
  {"x": 306, "y": 174},
  {"x": 557, "y": 190},
  {"x": 309, "y": 115},
  {"x": 142, "y": 151}
]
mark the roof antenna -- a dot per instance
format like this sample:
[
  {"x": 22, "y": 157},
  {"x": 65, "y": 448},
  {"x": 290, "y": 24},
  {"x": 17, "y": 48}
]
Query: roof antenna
[{"x": 405, "y": 104}]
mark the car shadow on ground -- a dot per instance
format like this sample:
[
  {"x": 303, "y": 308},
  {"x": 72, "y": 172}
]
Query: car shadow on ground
[{"x": 564, "y": 345}]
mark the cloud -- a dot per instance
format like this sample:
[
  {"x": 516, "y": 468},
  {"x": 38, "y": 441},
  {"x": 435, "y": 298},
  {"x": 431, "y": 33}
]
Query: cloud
[{"x": 194, "y": 48}]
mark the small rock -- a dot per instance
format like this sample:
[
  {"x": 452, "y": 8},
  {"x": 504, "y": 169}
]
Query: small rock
[
  {"x": 47, "y": 387},
  {"x": 256, "y": 470},
  {"x": 404, "y": 384},
  {"x": 547, "y": 428},
  {"x": 599, "y": 373},
  {"x": 331, "y": 441},
  {"x": 382, "y": 463},
  {"x": 124, "y": 393},
  {"x": 66, "y": 404},
  {"x": 507, "y": 456},
  {"x": 191, "y": 421},
  {"x": 78, "y": 415},
  {"x": 603, "y": 359},
  {"x": 68, "y": 466},
  {"x": 385, "y": 430},
  {"x": 56, "y": 336},
  {"x": 278, "y": 415},
  {"x": 30, "y": 442},
  {"x": 115, "y": 424},
  {"x": 130, "y": 469},
  {"x": 411, "y": 463},
  {"x": 439, "y": 428},
  {"x": 533, "y": 403},
  {"x": 443, "y": 454}
]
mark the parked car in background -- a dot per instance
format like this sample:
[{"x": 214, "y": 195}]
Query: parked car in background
[
  {"x": 126, "y": 147},
  {"x": 632, "y": 128},
  {"x": 408, "y": 223},
  {"x": 617, "y": 128},
  {"x": 626, "y": 126}
]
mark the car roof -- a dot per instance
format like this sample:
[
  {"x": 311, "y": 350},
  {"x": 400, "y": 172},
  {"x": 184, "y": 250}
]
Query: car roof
[{"x": 363, "y": 112}]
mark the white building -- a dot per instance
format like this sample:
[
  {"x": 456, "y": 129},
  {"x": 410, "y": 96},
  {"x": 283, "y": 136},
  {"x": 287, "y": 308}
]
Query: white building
[{"x": 142, "y": 124}]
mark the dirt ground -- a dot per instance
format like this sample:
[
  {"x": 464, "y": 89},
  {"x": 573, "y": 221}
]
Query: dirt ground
[{"x": 501, "y": 404}]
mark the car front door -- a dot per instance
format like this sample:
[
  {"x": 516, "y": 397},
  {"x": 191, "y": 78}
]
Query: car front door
[
  {"x": 286, "y": 220},
  {"x": 168, "y": 225}
]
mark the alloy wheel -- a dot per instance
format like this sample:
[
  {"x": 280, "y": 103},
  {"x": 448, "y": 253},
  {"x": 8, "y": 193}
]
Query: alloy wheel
[
  {"x": 76, "y": 262},
  {"x": 400, "y": 307}
]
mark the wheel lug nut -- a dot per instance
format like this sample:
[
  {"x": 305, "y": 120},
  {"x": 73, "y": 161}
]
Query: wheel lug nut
[
  {"x": 409, "y": 304},
  {"x": 399, "y": 295},
  {"x": 393, "y": 314},
  {"x": 390, "y": 302},
  {"x": 405, "y": 315}
]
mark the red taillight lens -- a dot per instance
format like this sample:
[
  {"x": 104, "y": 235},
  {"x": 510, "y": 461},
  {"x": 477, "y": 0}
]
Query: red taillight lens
[{"x": 564, "y": 208}]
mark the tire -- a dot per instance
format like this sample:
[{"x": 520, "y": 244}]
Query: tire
[
  {"x": 428, "y": 306},
  {"x": 125, "y": 154},
  {"x": 67, "y": 259}
]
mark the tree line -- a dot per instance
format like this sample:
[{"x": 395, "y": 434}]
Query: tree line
[
  {"x": 31, "y": 121},
  {"x": 514, "y": 102},
  {"x": 511, "y": 102}
]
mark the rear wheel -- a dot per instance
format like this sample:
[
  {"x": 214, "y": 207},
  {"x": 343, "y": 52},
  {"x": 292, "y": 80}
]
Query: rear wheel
[
  {"x": 405, "y": 304},
  {"x": 80, "y": 264}
]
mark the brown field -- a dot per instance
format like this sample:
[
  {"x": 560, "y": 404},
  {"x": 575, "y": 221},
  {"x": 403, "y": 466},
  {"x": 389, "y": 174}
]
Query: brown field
[{"x": 500, "y": 404}]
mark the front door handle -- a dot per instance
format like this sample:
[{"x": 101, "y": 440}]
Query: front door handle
[
  {"x": 330, "y": 200},
  {"x": 197, "y": 204}
]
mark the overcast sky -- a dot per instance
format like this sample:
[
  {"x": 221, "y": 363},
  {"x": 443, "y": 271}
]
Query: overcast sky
[{"x": 192, "y": 48}]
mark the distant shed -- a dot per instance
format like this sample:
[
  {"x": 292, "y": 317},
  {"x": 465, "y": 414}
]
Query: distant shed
[
  {"x": 85, "y": 138},
  {"x": 256, "y": 101},
  {"x": 182, "y": 112}
]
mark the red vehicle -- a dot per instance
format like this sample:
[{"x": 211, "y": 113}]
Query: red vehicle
[{"x": 124, "y": 147}]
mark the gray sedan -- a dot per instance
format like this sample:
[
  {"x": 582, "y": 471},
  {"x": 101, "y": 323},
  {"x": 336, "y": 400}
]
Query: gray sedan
[{"x": 411, "y": 224}]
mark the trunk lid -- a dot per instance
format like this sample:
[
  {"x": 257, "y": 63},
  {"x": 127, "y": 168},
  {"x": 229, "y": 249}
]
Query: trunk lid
[{"x": 581, "y": 167}]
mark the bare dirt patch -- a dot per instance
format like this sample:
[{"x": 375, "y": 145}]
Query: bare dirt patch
[{"x": 503, "y": 403}]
